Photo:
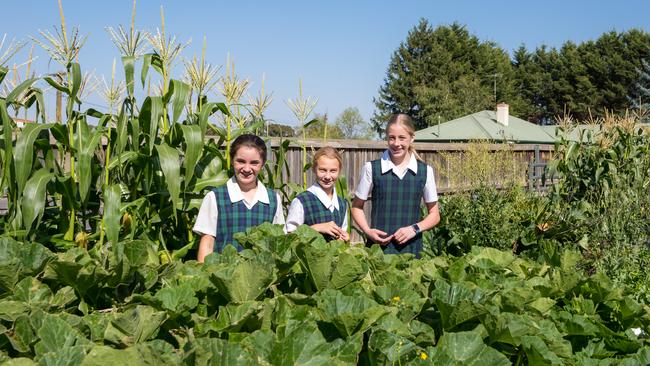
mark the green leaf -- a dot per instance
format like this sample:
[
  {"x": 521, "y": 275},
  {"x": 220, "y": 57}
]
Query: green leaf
[
  {"x": 87, "y": 142},
  {"x": 129, "y": 72},
  {"x": 56, "y": 334},
  {"x": 7, "y": 129},
  {"x": 123, "y": 159},
  {"x": 301, "y": 343},
  {"x": 146, "y": 63},
  {"x": 32, "y": 292},
  {"x": 214, "y": 351},
  {"x": 465, "y": 348},
  {"x": 33, "y": 200},
  {"x": 149, "y": 117},
  {"x": 69, "y": 356},
  {"x": 24, "y": 152},
  {"x": 56, "y": 85},
  {"x": 307, "y": 124},
  {"x": 390, "y": 349},
  {"x": 316, "y": 256},
  {"x": 245, "y": 280},
  {"x": 155, "y": 352},
  {"x": 23, "y": 335},
  {"x": 141, "y": 252},
  {"x": 179, "y": 93},
  {"x": 135, "y": 325},
  {"x": 538, "y": 353},
  {"x": 208, "y": 110},
  {"x": 76, "y": 80},
  {"x": 210, "y": 182},
  {"x": 193, "y": 148},
  {"x": 18, "y": 90},
  {"x": 349, "y": 314},
  {"x": 112, "y": 204},
  {"x": 170, "y": 166},
  {"x": 122, "y": 129},
  {"x": 233, "y": 316},
  {"x": 177, "y": 299},
  {"x": 11, "y": 310},
  {"x": 349, "y": 268},
  {"x": 18, "y": 260}
]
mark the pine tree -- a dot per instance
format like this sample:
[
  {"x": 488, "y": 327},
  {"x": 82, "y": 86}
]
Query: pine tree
[
  {"x": 437, "y": 75},
  {"x": 640, "y": 97}
]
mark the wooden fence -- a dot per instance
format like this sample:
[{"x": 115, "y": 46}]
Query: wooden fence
[{"x": 441, "y": 156}]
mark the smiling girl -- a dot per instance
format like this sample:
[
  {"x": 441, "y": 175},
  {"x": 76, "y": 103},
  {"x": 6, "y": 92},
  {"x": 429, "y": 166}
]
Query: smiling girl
[
  {"x": 396, "y": 184},
  {"x": 319, "y": 206},
  {"x": 241, "y": 203}
]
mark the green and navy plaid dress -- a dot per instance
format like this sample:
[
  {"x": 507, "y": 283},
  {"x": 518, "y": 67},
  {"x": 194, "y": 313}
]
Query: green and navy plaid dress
[
  {"x": 316, "y": 213},
  {"x": 236, "y": 217},
  {"x": 396, "y": 203}
]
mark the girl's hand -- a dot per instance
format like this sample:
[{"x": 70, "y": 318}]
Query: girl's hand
[
  {"x": 345, "y": 236},
  {"x": 379, "y": 237},
  {"x": 331, "y": 229},
  {"x": 404, "y": 234}
]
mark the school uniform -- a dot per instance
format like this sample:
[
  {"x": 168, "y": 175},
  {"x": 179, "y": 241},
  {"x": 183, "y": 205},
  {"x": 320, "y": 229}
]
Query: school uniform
[
  {"x": 314, "y": 206},
  {"x": 224, "y": 212},
  {"x": 396, "y": 195}
]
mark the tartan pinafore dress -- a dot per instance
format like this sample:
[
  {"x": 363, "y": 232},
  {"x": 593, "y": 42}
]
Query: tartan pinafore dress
[
  {"x": 396, "y": 203},
  {"x": 235, "y": 217},
  {"x": 316, "y": 213}
]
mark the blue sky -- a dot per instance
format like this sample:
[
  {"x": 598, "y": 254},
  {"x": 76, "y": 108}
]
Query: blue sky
[{"x": 340, "y": 49}]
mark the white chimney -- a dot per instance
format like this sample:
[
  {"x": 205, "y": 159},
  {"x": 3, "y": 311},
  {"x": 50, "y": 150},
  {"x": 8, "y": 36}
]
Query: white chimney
[{"x": 502, "y": 113}]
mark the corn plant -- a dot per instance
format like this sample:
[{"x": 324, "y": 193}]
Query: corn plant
[{"x": 302, "y": 108}]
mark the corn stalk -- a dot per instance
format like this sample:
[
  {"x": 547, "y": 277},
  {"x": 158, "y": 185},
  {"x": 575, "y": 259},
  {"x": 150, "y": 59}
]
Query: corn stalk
[{"x": 302, "y": 108}]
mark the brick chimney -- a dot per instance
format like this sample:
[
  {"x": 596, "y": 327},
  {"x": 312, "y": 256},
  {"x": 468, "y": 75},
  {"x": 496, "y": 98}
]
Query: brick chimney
[{"x": 503, "y": 113}]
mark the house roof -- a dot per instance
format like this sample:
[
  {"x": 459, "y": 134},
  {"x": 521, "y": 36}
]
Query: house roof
[{"x": 484, "y": 126}]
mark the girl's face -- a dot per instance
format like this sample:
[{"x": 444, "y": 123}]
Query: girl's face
[
  {"x": 247, "y": 164},
  {"x": 399, "y": 141},
  {"x": 327, "y": 171}
]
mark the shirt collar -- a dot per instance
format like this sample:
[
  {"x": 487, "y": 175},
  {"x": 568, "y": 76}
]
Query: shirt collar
[
  {"x": 236, "y": 195},
  {"x": 318, "y": 191},
  {"x": 387, "y": 164}
]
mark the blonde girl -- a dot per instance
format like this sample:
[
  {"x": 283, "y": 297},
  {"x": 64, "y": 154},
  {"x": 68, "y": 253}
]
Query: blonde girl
[
  {"x": 319, "y": 206},
  {"x": 396, "y": 184}
]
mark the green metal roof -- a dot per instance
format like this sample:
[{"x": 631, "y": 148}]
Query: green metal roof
[{"x": 484, "y": 126}]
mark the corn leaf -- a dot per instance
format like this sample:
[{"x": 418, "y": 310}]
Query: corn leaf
[
  {"x": 87, "y": 142},
  {"x": 17, "y": 91},
  {"x": 129, "y": 73},
  {"x": 193, "y": 147},
  {"x": 76, "y": 80},
  {"x": 33, "y": 200},
  {"x": 121, "y": 130},
  {"x": 170, "y": 166},
  {"x": 8, "y": 145},
  {"x": 53, "y": 83},
  {"x": 122, "y": 159},
  {"x": 208, "y": 110},
  {"x": 112, "y": 203},
  {"x": 24, "y": 152},
  {"x": 213, "y": 181},
  {"x": 146, "y": 63},
  {"x": 179, "y": 94}
]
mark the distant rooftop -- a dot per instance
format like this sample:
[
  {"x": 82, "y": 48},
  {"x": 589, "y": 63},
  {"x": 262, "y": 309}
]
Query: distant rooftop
[{"x": 483, "y": 125}]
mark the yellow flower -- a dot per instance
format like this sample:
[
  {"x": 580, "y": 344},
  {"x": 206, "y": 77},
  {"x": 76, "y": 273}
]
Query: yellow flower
[
  {"x": 423, "y": 356},
  {"x": 396, "y": 298}
]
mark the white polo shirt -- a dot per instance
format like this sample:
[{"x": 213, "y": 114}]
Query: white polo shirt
[
  {"x": 296, "y": 214},
  {"x": 364, "y": 188},
  {"x": 206, "y": 221}
]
